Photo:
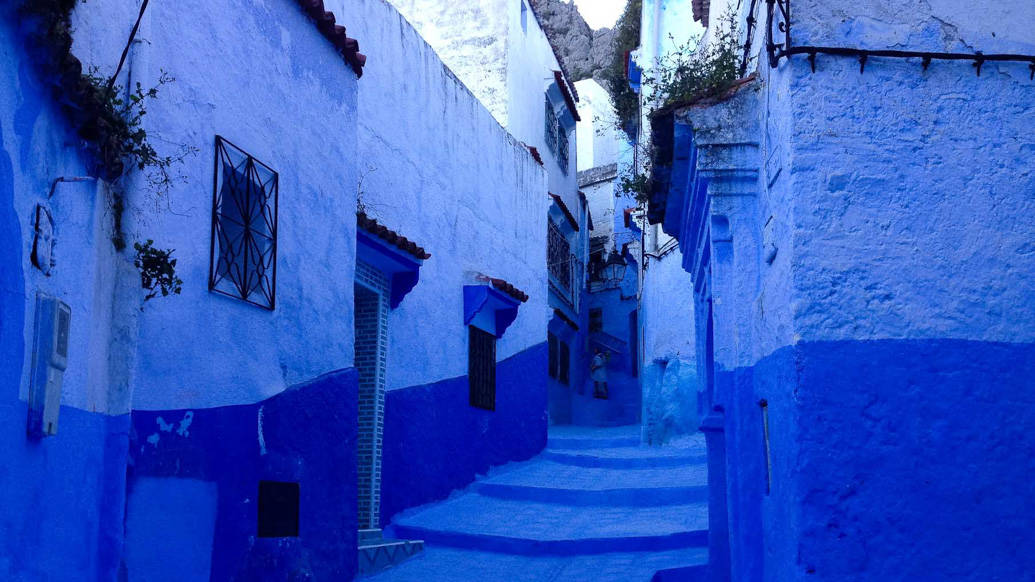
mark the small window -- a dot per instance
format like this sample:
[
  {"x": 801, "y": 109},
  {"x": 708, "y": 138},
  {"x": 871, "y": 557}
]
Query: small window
[
  {"x": 481, "y": 368},
  {"x": 524, "y": 17},
  {"x": 243, "y": 262},
  {"x": 278, "y": 509},
  {"x": 564, "y": 364},
  {"x": 550, "y": 126},
  {"x": 562, "y": 148},
  {"x": 551, "y": 341},
  {"x": 596, "y": 320}
]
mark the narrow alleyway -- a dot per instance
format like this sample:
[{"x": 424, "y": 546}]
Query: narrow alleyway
[{"x": 595, "y": 505}]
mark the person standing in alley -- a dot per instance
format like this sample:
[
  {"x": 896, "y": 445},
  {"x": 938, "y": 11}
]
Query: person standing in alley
[{"x": 598, "y": 372}]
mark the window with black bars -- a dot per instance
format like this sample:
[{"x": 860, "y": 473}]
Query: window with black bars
[
  {"x": 551, "y": 341},
  {"x": 596, "y": 320},
  {"x": 551, "y": 126},
  {"x": 243, "y": 261},
  {"x": 562, "y": 148},
  {"x": 481, "y": 368},
  {"x": 559, "y": 256}
]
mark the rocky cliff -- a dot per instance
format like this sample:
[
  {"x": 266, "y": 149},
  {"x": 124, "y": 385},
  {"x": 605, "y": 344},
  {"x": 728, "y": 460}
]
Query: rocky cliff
[{"x": 585, "y": 52}]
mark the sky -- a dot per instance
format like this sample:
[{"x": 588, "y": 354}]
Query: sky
[{"x": 600, "y": 13}]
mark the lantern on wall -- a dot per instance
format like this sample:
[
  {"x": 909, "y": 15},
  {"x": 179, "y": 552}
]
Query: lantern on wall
[{"x": 613, "y": 270}]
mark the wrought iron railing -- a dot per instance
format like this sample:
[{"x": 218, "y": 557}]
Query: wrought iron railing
[
  {"x": 564, "y": 267},
  {"x": 779, "y": 45}
]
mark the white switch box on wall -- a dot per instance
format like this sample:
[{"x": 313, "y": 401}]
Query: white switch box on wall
[{"x": 49, "y": 361}]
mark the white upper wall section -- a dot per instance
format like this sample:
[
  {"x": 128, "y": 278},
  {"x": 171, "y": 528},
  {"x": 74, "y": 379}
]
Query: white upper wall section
[
  {"x": 437, "y": 168},
  {"x": 598, "y": 134},
  {"x": 471, "y": 38},
  {"x": 261, "y": 75},
  {"x": 506, "y": 61}
]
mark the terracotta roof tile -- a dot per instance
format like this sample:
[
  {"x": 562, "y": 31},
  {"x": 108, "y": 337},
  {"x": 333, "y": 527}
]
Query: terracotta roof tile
[
  {"x": 325, "y": 23},
  {"x": 535, "y": 154},
  {"x": 568, "y": 98},
  {"x": 509, "y": 289},
  {"x": 391, "y": 237}
]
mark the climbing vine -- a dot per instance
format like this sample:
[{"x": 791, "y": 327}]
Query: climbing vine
[
  {"x": 109, "y": 118},
  {"x": 626, "y": 39},
  {"x": 157, "y": 270},
  {"x": 690, "y": 73}
]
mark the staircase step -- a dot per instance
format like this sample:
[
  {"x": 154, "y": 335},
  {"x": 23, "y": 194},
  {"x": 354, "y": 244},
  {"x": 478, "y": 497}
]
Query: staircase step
[
  {"x": 443, "y": 564},
  {"x": 629, "y": 497},
  {"x": 369, "y": 536},
  {"x": 584, "y": 437},
  {"x": 387, "y": 553},
  {"x": 531, "y": 528},
  {"x": 627, "y": 457},
  {"x": 550, "y": 482}
]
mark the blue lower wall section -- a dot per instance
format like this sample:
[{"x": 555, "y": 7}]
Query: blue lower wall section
[
  {"x": 207, "y": 464},
  {"x": 435, "y": 441},
  {"x": 63, "y": 496},
  {"x": 892, "y": 459}
]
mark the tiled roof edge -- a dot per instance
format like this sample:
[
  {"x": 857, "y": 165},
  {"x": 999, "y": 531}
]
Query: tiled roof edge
[
  {"x": 325, "y": 23},
  {"x": 391, "y": 237},
  {"x": 559, "y": 77}
]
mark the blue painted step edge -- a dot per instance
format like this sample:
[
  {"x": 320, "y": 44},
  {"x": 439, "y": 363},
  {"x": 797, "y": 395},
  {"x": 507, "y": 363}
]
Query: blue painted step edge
[
  {"x": 623, "y": 462},
  {"x": 631, "y": 497},
  {"x": 697, "y": 573},
  {"x": 591, "y": 443},
  {"x": 565, "y": 547}
]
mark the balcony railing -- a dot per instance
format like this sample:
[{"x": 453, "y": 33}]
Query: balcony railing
[{"x": 564, "y": 267}]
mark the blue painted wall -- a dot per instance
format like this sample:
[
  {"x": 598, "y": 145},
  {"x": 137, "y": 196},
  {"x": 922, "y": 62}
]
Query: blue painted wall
[
  {"x": 436, "y": 442},
  {"x": 305, "y": 435},
  {"x": 869, "y": 238},
  {"x": 64, "y": 495}
]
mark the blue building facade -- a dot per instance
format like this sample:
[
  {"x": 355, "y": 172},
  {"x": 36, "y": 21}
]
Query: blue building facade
[
  {"x": 857, "y": 227},
  {"x": 251, "y": 424}
]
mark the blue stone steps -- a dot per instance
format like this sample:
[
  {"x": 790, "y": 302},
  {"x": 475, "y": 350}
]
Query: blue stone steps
[
  {"x": 550, "y": 482},
  {"x": 444, "y": 564},
  {"x": 596, "y": 505},
  {"x": 624, "y": 458},
  {"x": 484, "y": 523}
]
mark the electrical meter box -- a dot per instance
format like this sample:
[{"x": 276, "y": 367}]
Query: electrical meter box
[{"x": 49, "y": 361}]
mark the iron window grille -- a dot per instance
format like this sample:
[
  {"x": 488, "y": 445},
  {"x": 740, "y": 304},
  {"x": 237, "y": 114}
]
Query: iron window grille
[
  {"x": 481, "y": 368},
  {"x": 551, "y": 126},
  {"x": 564, "y": 267},
  {"x": 243, "y": 261},
  {"x": 562, "y": 148}
]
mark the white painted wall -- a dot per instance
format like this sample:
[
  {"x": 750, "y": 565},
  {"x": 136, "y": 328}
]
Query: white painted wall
[
  {"x": 598, "y": 137},
  {"x": 262, "y": 76},
  {"x": 507, "y": 66},
  {"x": 439, "y": 169}
]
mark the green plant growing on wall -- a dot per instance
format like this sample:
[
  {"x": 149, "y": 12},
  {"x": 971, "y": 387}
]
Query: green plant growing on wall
[
  {"x": 157, "y": 270},
  {"x": 692, "y": 72},
  {"x": 626, "y": 38},
  {"x": 123, "y": 117},
  {"x": 637, "y": 186},
  {"x": 108, "y": 118}
]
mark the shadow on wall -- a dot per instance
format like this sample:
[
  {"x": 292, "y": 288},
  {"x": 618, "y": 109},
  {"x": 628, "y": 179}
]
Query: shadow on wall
[{"x": 670, "y": 393}]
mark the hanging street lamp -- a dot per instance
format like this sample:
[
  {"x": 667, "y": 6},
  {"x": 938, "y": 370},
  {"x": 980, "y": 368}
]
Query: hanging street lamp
[{"x": 613, "y": 270}]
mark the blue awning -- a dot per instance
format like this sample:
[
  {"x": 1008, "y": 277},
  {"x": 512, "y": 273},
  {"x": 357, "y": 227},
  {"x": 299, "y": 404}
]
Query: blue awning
[
  {"x": 488, "y": 307},
  {"x": 401, "y": 268}
]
